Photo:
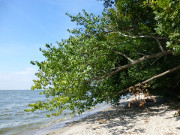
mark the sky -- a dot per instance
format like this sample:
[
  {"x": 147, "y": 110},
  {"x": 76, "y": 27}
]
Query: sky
[{"x": 26, "y": 26}]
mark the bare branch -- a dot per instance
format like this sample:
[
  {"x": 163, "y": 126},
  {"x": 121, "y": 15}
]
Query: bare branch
[
  {"x": 155, "y": 60},
  {"x": 159, "y": 43},
  {"x": 146, "y": 57},
  {"x": 150, "y": 79},
  {"x": 141, "y": 36},
  {"x": 124, "y": 55},
  {"x": 140, "y": 53},
  {"x": 135, "y": 36}
]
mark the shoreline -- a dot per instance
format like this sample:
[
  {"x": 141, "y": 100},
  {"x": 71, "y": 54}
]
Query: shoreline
[
  {"x": 62, "y": 123},
  {"x": 154, "y": 119}
]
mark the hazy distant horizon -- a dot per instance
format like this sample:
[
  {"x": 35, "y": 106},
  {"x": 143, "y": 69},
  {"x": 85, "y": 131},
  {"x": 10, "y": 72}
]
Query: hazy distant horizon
[{"x": 23, "y": 31}]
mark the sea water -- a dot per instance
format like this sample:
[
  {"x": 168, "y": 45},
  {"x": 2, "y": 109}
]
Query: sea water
[{"x": 15, "y": 121}]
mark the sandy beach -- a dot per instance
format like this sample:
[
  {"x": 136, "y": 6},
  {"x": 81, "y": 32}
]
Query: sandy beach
[{"x": 154, "y": 119}]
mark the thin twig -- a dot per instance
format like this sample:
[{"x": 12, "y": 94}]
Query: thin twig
[
  {"x": 124, "y": 55},
  {"x": 159, "y": 43}
]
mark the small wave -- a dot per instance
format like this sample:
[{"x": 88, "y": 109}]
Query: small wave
[
  {"x": 5, "y": 114},
  {"x": 6, "y": 118},
  {"x": 13, "y": 106}
]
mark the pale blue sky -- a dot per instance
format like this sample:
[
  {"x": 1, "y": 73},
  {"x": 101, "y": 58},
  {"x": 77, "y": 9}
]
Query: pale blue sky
[{"x": 26, "y": 26}]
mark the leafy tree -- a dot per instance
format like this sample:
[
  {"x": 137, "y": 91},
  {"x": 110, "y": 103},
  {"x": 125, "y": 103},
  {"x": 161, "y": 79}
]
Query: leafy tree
[{"x": 132, "y": 43}]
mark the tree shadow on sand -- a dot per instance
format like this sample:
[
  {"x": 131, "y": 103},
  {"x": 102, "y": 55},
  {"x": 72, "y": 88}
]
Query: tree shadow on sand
[{"x": 126, "y": 118}]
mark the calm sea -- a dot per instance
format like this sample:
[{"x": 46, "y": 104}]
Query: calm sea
[{"x": 15, "y": 121}]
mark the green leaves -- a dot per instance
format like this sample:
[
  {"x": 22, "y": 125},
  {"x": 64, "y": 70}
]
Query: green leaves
[{"x": 168, "y": 15}]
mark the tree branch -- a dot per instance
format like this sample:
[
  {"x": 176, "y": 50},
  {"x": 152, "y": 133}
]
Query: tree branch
[
  {"x": 150, "y": 79},
  {"x": 141, "y": 36},
  {"x": 124, "y": 55},
  {"x": 146, "y": 57},
  {"x": 159, "y": 43}
]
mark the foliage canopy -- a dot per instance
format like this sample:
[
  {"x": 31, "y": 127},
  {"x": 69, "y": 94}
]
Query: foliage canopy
[{"x": 132, "y": 41}]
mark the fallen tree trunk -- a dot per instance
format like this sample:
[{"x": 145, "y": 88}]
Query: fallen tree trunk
[{"x": 150, "y": 79}]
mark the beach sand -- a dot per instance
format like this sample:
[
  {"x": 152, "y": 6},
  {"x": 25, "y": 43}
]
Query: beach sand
[{"x": 154, "y": 119}]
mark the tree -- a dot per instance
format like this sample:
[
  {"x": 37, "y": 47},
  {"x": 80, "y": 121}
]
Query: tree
[{"x": 133, "y": 42}]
